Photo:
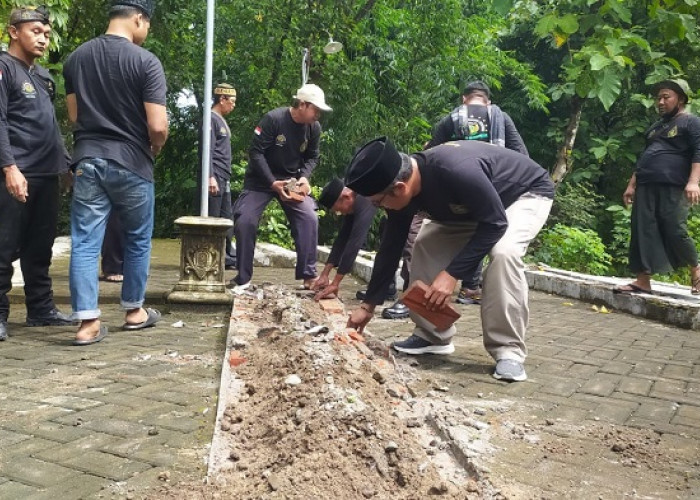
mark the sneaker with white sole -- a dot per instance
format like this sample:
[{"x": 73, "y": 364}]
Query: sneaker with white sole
[
  {"x": 509, "y": 370},
  {"x": 417, "y": 345}
]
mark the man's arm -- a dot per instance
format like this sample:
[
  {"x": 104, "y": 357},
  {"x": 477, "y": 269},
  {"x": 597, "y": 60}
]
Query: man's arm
[
  {"x": 15, "y": 182},
  {"x": 72, "y": 105},
  {"x": 628, "y": 195},
  {"x": 692, "y": 190},
  {"x": 313, "y": 151},
  {"x": 157, "y": 119},
  {"x": 513, "y": 139},
  {"x": 442, "y": 132},
  {"x": 263, "y": 139}
]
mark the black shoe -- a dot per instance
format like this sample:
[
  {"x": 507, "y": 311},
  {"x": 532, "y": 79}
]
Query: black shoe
[
  {"x": 52, "y": 318},
  {"x": 3, "y": 330},
  {"x": 391, "y": 293},
  {"x": 397, "y": 311},
  {"x": 468, "y": 296},
  {"x": 230, "y": 267}
]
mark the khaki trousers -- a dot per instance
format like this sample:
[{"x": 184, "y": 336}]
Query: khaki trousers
[{"x": 504, "y": 302}]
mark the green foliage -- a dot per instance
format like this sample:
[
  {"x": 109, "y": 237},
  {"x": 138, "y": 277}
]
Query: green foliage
[
  {"x": 618, "y": 245},
  {"x": 574, "y": 249},
  {"x": 576, "y": 204}
]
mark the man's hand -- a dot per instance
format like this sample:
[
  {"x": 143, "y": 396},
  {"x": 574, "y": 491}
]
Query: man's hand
[
  {"x": 213, "y": 186},
  {"x": 16, "y": 183},
  {"x": 329, "y": 291},
  {"x": 321, "y": 283},
  {"x": 440, "y": 292},
  {"x": 65, "y": 181},
  {"x": 359, "y": 318},
  {"x": 692, "y": 193},
  {"x": 304, "y": 186},
  {"x": 628, "y": 195},
  {"x": 278, "y": 187}
]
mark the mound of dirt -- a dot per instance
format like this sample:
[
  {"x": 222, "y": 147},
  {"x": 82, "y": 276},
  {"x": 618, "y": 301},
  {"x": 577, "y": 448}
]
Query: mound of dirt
[{"x": 318, "y": 412}]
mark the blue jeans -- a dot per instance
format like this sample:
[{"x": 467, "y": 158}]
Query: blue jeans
[{"x": 101, "y": 186}]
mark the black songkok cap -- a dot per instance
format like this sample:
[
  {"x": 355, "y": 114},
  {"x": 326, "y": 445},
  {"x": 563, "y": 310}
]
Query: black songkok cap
[
  {"x": 148, "y": 7},
  {"x": 477, "y": 85},
  {"x": 29, "y": 15},
  {"x": 374, "y": 167},
  {"x": 331, "y": 192}
]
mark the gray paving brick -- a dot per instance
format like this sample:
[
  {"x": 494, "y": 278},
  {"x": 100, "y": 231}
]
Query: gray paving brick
[
  {"x": 617, "y": 367},
  {"x": 29, "y": 447},
  {"x": 561, "y": 387},
  {"x": 116, "y": 427},
  {"x": 615, "y": 411},
  {"x": 47, "y": 430},
  {"x": 13, "y": 490},
  {"x": 655, "y": 411},
  {"x": 106, "y": 465},
  {"x": 635, "y": 385},
  {"x": 601, "y": 384},
  {"x": 582, "y": 372},
  {"x": 35, "y": 472},
  {"x": 9, "y": 438},
  {"x": 80, "y": 486},
  {"x": 71, "y": 402},
  {"x": 60, "y": 454},
  {"x": 651, "y": 368},
  {"x": 668, "y": 387},
  {"x": 632, "y": 355},
  {"x": 677, "y": 371}
]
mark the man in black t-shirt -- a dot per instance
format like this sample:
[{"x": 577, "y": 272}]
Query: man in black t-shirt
[
  {"x": 31, "y": 159},
  {"x": 663, "y": 187},
  {"x": 285, "y": 147},
  {"x": 220, "y": 162},
  {"x": 358, "y": 212},
  {"x": 116, "y": 98},
  {"x": 480, "y": 199}
]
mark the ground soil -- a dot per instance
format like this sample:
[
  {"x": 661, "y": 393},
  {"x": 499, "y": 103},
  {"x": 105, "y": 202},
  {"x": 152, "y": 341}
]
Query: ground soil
[{"x": 322, "y": 415}]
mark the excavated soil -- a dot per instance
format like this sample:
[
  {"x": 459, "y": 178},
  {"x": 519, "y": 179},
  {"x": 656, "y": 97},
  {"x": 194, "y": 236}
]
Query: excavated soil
[{"x": 319, "y": 412}]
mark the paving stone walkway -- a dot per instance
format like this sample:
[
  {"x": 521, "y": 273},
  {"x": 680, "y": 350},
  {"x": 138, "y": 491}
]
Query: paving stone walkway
[{"x": 118, "y": 418}]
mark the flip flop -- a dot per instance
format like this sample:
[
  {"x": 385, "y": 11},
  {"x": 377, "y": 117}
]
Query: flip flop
[
  {"x": 152, "y": 319},
  {"x": 100, "y": 335},
  {"x": 630, "y": 289},
  {"x": 111, "y": 278}
]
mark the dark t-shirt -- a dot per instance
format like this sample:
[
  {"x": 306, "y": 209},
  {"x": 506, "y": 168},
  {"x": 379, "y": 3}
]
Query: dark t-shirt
[
  {"x": 672, "y": 146},
  {"x": 461, "y": 181},
  {"x": 29, "y": 133},
  {"x": 352, "y": 235},
  {"x": 112, "y": 78},
  {"x": 476, "y": 126},
  {"x": 220, "y": 147},
  {"x": 281, "y": 149}
]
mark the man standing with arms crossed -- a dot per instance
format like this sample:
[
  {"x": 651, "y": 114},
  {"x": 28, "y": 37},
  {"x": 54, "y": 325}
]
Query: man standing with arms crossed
[
  {"x": 116, "y": 97},
  {"x": 32, "y": 156}
]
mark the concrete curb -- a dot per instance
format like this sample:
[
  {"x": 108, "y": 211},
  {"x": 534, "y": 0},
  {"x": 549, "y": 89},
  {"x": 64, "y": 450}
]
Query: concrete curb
[{"x": 670, "y": 304}]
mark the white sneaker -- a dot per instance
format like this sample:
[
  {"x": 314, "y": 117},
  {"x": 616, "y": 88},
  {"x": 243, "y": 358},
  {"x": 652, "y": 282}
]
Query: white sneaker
[{"x": 509, "y": 370}]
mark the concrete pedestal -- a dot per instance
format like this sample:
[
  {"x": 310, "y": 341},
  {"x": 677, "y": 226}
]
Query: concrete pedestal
[{"x": 202, "y": 256}]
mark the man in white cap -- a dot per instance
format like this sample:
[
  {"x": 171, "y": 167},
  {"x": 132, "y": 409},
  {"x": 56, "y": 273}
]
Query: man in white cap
[{"x": 285, "y": 148}]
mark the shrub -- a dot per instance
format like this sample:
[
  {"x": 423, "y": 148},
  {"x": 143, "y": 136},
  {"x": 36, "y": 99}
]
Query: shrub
[{"x": 574, "y": 249}]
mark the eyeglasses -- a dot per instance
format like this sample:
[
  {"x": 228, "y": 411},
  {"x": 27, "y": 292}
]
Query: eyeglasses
[{"x": 378, "y": 203}]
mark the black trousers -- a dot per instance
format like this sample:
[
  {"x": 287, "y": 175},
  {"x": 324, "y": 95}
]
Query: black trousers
[
  {"x": 304, "y": 225},
  {"x": 220, "y": 206},
  {"x": 113, "y": 246},
  {"x": 27, "y": 233}
]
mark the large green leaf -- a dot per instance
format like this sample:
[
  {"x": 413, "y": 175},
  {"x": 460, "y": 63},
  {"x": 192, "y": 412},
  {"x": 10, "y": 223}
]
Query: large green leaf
[
  {"x": 609, "y": 87},
  {"x": 599, "y": 61},
  {"x": 568, "y": 24}
]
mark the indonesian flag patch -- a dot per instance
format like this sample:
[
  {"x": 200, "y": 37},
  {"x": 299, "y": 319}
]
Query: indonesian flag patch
[{"x": 258, "y": 130}]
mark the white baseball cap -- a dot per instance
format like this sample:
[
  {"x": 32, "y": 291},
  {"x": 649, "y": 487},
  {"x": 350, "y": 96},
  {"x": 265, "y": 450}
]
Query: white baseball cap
[{"x": 313, "y": 94}]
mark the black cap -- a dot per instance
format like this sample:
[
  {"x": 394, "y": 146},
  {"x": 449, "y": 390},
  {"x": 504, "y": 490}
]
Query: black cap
[
  {"x": 225, "y": 89},
  {"x": 331, "y": 192},
  {"x": 374, "y": 167},
  {"x": 148, "y": 7},
  {"x": 477, "y": 85},
  {"x": 29, "y": 15}
]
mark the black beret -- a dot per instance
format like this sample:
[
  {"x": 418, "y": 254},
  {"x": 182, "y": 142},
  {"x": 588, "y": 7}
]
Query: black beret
[
  {"x": 477, "y": 85},
  {"x": 29, "y": 15},
  {"x": 148, "y": 7},
  {"x": 331, "y": 193},
  {"x": 374, "y": 167}
]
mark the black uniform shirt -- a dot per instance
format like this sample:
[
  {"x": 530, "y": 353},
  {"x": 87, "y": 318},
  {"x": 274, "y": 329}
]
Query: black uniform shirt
[
  {"x": 220, "y": 145},
  {"x": 479, "y": 129},
  {"x": 29, "y": 133},
  {"x": 352, "y": 235},
  {"x": 461, "y": 181},
  {"x": 281, "y": 149},
  {"x": 112, "y": 78},
  {"x": 672, "y": 146}
]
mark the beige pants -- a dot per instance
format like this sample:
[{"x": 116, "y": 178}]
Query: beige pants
[{"x": 504, "y": 302}]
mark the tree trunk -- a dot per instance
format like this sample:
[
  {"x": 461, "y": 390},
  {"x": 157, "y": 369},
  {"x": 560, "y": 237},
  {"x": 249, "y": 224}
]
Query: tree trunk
[{"x": 564, "y": 159}]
